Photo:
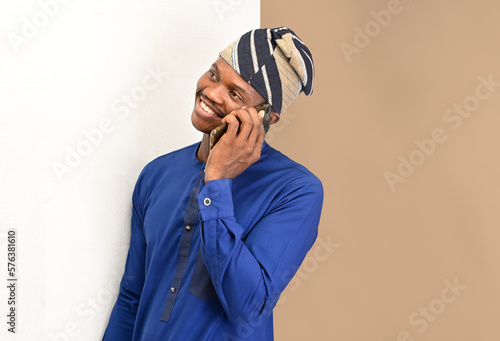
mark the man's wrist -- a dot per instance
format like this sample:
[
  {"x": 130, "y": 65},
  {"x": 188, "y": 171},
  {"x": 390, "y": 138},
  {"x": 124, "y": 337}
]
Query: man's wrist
[
  {"x": 209, "y": 177},
  {"x": 211, "y": 174},
  {"x": 215, "y": 199}
]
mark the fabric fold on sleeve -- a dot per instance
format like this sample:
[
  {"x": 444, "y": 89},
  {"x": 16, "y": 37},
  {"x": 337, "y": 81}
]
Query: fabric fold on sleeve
[{"x": 249, "y": 275}]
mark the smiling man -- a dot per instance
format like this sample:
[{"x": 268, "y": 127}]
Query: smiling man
[{"x": 218, "y": 233}]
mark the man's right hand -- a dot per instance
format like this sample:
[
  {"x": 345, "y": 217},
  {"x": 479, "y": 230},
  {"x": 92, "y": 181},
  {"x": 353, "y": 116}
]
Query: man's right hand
[{"x": 239, "y": 147}]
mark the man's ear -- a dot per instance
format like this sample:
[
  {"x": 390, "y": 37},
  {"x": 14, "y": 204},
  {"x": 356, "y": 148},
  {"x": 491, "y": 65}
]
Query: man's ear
[{"x": 275, "y": 117}]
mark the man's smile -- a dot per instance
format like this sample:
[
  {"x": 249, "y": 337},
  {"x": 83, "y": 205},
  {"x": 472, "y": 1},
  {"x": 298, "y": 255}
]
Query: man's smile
[{"x": 209, "y": 109}]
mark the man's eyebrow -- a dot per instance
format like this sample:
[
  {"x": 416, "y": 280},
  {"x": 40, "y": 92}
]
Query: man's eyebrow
[
  {"x": 240, "y": 89},
  {"x": 234, "y": 85}
]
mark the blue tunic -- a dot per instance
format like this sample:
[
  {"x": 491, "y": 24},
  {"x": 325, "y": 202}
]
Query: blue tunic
[{"x": 209, "y": 261}]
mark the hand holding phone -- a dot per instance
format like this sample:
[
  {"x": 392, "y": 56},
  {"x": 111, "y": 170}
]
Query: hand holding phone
[
  {"x": 217, "y": 133},
  {"x": 242, "y": 145}
]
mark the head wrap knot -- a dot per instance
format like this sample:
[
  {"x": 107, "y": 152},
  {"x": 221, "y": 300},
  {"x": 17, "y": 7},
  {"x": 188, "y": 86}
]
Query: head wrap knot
[{"x": 275, "y": 62}]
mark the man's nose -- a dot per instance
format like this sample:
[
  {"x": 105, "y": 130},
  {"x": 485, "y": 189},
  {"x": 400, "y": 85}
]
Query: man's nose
[{"x": 215, "y": 93}]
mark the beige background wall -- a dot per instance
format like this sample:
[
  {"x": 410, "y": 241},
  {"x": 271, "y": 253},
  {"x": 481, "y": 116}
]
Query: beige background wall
[{"x": 415, "y": 257}]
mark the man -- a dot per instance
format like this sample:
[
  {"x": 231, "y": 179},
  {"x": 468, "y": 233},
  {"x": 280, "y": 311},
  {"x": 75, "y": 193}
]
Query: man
[{"x": 218, "y": 234}]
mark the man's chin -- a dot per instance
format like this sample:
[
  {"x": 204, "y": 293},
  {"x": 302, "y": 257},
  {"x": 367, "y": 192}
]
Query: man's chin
[{"x": 200, "y": 126}]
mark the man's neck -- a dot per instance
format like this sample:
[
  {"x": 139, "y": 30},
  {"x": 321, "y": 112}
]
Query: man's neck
[{"x": 204, "y": 148}]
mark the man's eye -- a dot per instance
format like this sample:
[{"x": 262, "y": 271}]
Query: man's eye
[
  {"x": 211, "y": 74},
  {"x": 234, "y": 94}
]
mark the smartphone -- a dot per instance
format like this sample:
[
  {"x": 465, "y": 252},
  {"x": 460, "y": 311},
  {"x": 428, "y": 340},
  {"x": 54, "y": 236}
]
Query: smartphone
[{"x": 216, "y": 134}]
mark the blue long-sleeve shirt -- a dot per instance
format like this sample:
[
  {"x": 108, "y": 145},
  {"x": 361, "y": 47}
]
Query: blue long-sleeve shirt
[{"x": 209, "y": 261}]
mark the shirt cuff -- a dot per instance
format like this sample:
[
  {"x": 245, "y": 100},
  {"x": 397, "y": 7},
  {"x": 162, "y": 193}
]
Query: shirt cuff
[{"x": 215, "y": 199}]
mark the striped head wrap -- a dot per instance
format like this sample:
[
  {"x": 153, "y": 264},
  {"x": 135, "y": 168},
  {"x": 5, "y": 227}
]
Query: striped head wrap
[{"x": 275, "y": 62}]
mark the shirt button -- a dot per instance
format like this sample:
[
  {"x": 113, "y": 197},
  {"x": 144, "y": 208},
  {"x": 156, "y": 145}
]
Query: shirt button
[
  {"x": 172, "y": 289},
  {"x": 188, "y": 227},
  {"x": 207, "y": 201}
]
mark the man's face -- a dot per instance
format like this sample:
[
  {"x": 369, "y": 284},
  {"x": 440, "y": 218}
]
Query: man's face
[{"x": 219, "y": 91}]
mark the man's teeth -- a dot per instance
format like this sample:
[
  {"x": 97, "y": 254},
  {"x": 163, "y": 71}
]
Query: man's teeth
[{"x": 207, "y": 109}]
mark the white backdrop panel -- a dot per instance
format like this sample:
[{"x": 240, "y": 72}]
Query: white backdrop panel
[{"x": 90, "y": 91}]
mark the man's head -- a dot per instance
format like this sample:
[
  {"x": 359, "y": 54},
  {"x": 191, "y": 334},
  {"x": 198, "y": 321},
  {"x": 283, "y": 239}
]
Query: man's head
[{"x": 263, "y": 65}]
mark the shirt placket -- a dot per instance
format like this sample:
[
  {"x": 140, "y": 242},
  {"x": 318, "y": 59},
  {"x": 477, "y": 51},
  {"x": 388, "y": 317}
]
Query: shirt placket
[{"x": 185, "y": 248}]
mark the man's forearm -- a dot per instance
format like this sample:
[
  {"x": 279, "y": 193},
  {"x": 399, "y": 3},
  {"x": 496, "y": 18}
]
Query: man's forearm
[{"x": 249, "y": 275}]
